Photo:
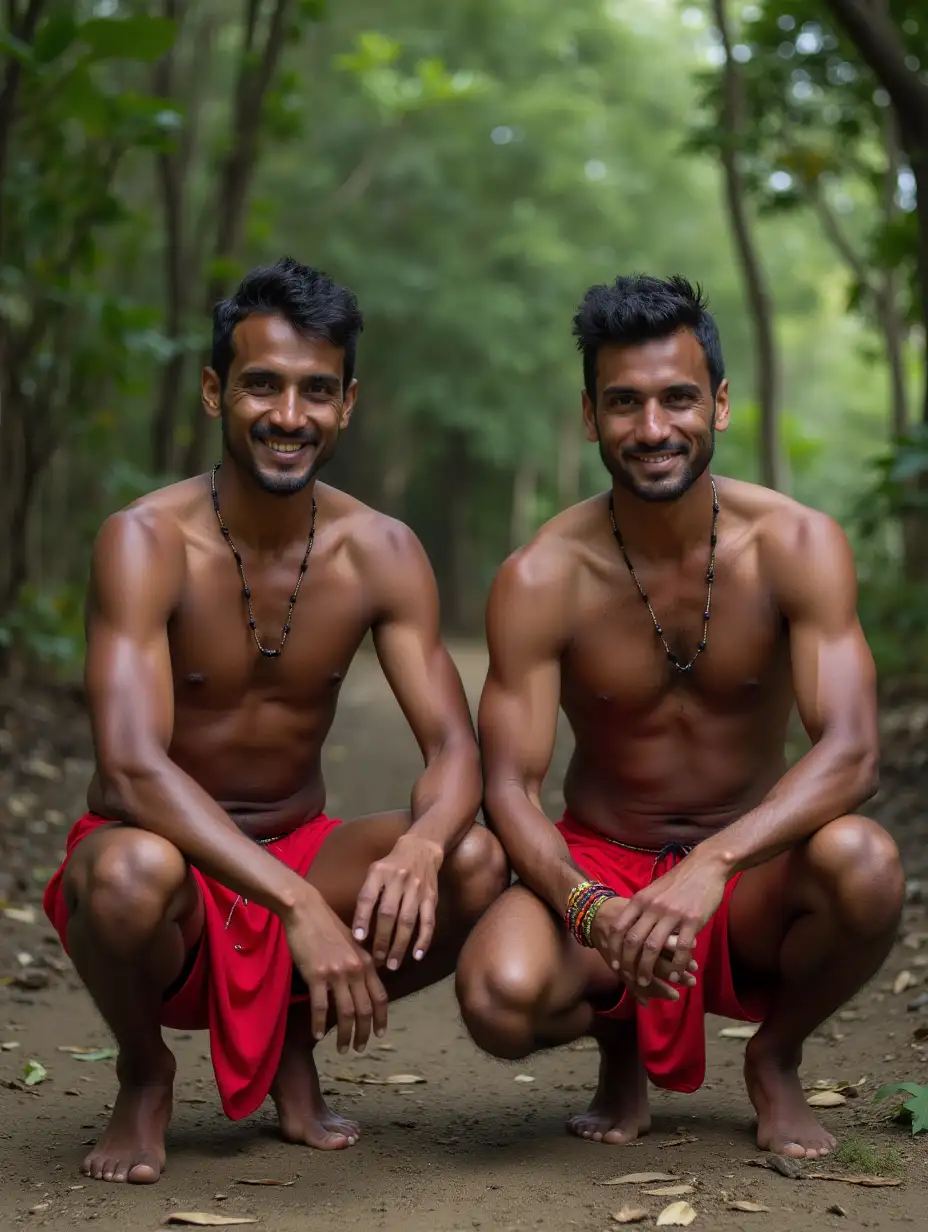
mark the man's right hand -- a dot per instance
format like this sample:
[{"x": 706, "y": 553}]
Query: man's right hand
[
  {"x": 337, "y": 971},
  {"x": 608, "y": 939}
]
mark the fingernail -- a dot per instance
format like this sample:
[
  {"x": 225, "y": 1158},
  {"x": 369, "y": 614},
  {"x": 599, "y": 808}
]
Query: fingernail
[
  {"x": 643, "y": 981},
  {"x": 320, "y": 1035},
  {"x": 674, "y": 978},
  {"x": 615, "y": 966},
  {"x": 393, "y": 964},
  {"x": 343, "y": 1048},
  {"x": 380, "y": 1032},
  {"x": 359, "y": 934},
  {"x": 419, "y": 954}
]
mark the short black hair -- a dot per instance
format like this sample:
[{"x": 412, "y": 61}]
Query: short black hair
[
  {"x": 308, "y": 298},
  {"x": 637, "y": 308}
]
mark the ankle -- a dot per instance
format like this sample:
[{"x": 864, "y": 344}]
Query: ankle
[
  {"x": 767, "y": 1051},
  {"x": 155, "y": 1066}
]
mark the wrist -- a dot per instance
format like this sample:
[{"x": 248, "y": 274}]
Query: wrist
[
  {"x": 431, "y": 846},
  {"x": 295, "y": 899},
  {"x": 583, "y": 906},
  {"x": 717, "y": 856}
]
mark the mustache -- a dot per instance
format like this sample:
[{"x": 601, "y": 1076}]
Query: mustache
[{"x": 262, "y": 433}]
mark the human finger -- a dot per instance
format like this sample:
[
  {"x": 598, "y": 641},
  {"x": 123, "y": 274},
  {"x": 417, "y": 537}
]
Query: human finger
[
  {"x": 651, "y": 949},
  {"x": 363, "y": 1011},
  {"x": 633, "y": 944},
  {"x": 405, "y": 923},
  {"x": 319, "y": 1006},
  {"x": 344, "y": 1013},
  {"x": 426, "y": 926},
  {"x": 685, "y": 942},
  {"x": 387, "y": 911},
  {"x": 367, "y": 901},
  {"x": 379, "y": 1001}
]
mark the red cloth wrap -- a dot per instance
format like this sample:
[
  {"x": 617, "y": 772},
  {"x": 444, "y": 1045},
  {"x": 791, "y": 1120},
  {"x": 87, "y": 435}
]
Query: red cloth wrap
[
  {"x": 239, "y": 986},
  {"x": 671, "y": 1034}
]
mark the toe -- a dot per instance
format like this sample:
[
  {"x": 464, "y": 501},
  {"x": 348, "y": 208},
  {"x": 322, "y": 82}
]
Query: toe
[{"x": 143, "y": 1174}]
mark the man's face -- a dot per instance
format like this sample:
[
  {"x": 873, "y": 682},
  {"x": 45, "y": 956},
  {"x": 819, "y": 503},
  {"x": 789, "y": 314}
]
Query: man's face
[
  {"x": 283, "y": 406},
  {"x": 655, "y": 418}
]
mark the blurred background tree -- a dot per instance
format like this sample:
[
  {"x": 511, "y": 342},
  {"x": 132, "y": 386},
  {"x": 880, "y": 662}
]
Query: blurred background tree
[{"x": 469, "y": 170}]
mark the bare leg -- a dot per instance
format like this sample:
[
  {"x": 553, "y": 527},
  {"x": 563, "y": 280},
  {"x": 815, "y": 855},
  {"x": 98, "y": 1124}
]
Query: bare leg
[
  {"x": 134, "y": 913},
  {"x": 523, "y": 986},
  {"x": 824, "y": 917},
  {"x": 472, "y": 876}
]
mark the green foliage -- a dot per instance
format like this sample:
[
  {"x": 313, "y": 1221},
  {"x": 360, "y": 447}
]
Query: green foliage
[
  {"x": 916, "y": 1106},
  {"x": 46, "y": 626}
]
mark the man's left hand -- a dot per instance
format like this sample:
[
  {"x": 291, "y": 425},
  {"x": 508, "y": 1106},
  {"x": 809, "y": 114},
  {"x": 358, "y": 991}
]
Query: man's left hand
[
  {"x": 668, "y": 913},
  {"x": 405, "y": 883}
]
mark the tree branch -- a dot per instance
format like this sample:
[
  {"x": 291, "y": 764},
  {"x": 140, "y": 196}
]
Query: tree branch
[
  {"x": 9, "y": 95},
  {"x": 873, "y": 32}
]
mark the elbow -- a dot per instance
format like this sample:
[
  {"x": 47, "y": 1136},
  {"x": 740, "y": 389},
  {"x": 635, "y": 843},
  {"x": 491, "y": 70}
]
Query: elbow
[{"x": 124, "y": 777}]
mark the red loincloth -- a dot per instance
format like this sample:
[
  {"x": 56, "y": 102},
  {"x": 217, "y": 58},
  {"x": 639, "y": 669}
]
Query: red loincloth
[
  {"x": 239, "y": 984},
  {"x": 671, "y": 1034}
]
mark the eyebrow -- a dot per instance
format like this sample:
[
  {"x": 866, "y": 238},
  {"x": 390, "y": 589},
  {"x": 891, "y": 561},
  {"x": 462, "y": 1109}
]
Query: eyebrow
[
  {"x": 328, "y": 380},
  {"x": 679, "y": 387}
]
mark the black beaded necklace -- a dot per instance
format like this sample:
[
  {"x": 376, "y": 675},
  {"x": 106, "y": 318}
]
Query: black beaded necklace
[
  {"x": 246, "y": 589},
  {"x": 710, "y": 578}
]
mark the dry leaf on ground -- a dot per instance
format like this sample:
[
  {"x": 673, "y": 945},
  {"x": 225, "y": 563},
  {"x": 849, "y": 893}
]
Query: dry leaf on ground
[
  {"x": 826, "y": 1099},
  {"x": 670, "y": 1191},
  {"x": 779, "y": 1163},
  {"x": 677, "y": 1215},
  {"x": 835, "y": 1209},
  {"x": 640, "y": 1178},
  {"x": 523, "y": 1078},
  {"x": 9, "y": 1045},
  {"x": 204, "y": 1219},
  {"x": 678, "y": 1142},
  {"x": 749, "y": 1030},
  {"x": 871, "y": 1182},
  {"x": 404, "y": 1079},
  {"x": 903, "y": 981},
  {"x": 260, "y": 1180},
  {"x": 630, "y": 1214},
  {"x": 752, "y": 1208},
  {"x": 23, "y": 915}
]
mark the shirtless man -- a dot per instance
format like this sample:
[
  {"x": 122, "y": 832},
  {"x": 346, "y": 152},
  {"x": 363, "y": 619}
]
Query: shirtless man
[
  {"x": 720, "y": 881},
  {"x": 223, "y": 614}
]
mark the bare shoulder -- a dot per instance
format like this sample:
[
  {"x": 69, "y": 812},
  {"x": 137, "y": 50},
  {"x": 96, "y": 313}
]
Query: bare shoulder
[
  {"x": 787, "y": 533},
  {"x": 372, "y": 540},
  {"x": 151, "y": 533},
  {"x": 551, "y": 562}
]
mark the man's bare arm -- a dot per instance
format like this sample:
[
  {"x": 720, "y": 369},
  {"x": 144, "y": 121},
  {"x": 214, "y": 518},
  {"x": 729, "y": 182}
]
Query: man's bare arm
[
  {"x": 136, "y": 579},
  {"x": 526, "y": 632},
  {"x": 446, "y": 796},
  {"x": 834, "y": 678}
]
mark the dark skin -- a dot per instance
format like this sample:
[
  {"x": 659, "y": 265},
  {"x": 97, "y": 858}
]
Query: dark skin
[
  {"x": 692, "y": 758},
  {"x": 203, "y": 746}
]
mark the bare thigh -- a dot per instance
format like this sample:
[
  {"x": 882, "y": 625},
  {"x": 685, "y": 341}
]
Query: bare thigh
[{"x": 343, "y": 862}]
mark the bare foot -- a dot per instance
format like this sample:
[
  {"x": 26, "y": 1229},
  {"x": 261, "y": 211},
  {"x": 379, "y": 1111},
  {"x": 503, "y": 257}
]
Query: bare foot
[
  {"x": 786, "y": 1124},
  {"x": 132, "y": 1146},
  {"x": 619, "y": 1110},
  {"x": 304, "y": 1116}
]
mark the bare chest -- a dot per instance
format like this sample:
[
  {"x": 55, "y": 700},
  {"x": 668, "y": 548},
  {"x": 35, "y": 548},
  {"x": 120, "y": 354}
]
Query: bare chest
[
  {"x": 618, "y": 660},
  {"x": 216, "y": 659}
]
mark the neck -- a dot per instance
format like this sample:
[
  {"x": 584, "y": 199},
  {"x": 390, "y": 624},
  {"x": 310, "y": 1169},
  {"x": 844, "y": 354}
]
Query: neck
[
  {"x": 266, "y": 521},
  {"x": 664, "y": 529}
]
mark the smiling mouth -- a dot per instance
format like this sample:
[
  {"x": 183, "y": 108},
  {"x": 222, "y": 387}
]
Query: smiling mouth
[
  {"x": 289, "y": 447},
  {"x": 653, "y": 459}
]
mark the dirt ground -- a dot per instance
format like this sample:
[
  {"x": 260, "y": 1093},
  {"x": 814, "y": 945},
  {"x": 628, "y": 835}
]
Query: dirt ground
[{"x": 479, "y": 1144}]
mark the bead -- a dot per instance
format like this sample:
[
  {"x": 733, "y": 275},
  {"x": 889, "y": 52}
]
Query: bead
[
  {"x": 246, "y": 592},
  {"x": 702, "y": 645},
  {"x": 237, "y": 554},
  {"x": 252, "y": 623},
  {"x": 658, "y": 630},
  {"x": 713, "y": 538},
  {"x": 225, "y": 531},
  {"x": 706, "y": 614},
  {"x": 644, "y": 597},
  {"x": 293, "y": 597},
  {"x": 286, "y": 628}
]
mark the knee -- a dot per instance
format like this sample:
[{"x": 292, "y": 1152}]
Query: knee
[
  {"x": 499, "y": 998},
  {"x": 126, "y": 886},
  {"x": 859, "y": 865},
  {"x": 478, "y": 871}
]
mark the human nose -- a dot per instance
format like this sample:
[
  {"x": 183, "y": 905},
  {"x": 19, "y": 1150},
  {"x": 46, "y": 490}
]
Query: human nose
[
  {"x": 653, "y": 424},
  {"x": 289, "y": 412}
]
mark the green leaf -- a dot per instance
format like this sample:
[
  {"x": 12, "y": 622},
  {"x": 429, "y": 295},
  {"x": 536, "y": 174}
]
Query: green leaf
[
  {"x": 34, "y": 1073},
  {"x": 54, "y": 37},
  {"x": 99, "y": 1054},
  {"x": 917, "y": 1106},
  {"x": 130, "y": 38}
]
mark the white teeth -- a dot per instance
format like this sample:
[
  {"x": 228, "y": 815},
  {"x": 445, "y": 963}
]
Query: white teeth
[{"x": 285, "y": 446}]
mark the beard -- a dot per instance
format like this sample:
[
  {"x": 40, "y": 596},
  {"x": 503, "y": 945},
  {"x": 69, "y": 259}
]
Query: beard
[
  {"x": 662, "y": 487},
  {"x": 279, "y": 483}
]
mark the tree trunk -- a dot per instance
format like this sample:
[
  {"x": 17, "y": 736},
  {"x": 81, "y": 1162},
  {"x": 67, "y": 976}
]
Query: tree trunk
[
  {"x": 255, "y": 75},
  {"x": 569, "y": 461},
  {"x": 773, "y": 468}
]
